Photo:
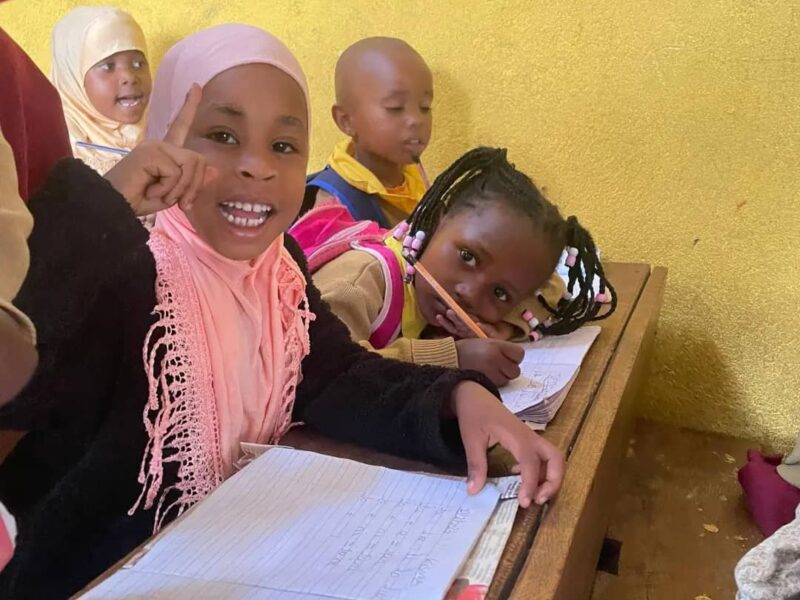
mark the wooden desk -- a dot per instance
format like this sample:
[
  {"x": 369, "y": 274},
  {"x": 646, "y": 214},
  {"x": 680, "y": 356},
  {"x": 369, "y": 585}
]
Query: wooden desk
[{"x": 552, "y": 554}]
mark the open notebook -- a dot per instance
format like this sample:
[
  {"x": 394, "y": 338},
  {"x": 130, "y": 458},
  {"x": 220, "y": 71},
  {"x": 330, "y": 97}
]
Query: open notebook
[
  {"x": 549, "y": 368},
  {"x": 296, "y": 525}
]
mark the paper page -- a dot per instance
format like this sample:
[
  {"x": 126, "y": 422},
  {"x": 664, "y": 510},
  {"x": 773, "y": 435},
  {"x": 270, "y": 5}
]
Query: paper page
[
  {"x": 547, "y": 368},
  {"x": 315, "y": 526},
  {"x": 139, "y": 585},
  {"x": 560, "y": 349},
  {"x": 538, "y": 383}
]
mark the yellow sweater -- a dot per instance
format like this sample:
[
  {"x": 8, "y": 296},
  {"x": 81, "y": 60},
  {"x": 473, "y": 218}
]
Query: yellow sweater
[
  {"x": 354, "y": 286},
  {"x": 15, "y": 225}
]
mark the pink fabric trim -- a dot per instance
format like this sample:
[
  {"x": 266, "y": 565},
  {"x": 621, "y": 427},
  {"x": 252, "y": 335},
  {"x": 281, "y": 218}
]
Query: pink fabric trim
[{"x": 180, "y": 416}]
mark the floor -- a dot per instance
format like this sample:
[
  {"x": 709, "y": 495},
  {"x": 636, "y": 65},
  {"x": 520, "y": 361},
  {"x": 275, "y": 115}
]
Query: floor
[{"x": 680, "y": 517}]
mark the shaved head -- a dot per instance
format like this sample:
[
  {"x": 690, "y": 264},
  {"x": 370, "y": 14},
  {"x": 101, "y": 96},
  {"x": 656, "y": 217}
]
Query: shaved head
[
  {"x": 372, "y": 58},
  {"x": 384, "y": 92}
]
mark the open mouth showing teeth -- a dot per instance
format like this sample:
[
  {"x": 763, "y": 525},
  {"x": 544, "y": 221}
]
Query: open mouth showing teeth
[
  {"x": 245, "y": 214},
  {"x": 129, "y": 101}
]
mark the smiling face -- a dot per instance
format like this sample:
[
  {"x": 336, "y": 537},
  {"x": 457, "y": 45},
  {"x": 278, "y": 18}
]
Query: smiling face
[
  {"x": 489, "y": 259},
  {"x": 119, "y": 86},
  {"x": 252, "y": 126}
]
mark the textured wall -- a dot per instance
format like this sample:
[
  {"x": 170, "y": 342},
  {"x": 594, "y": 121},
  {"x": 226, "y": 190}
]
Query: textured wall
[{"x": 670, "y": 127}]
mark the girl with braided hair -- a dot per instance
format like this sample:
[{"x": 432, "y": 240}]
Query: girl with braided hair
[{"x": 492, "y": 240}]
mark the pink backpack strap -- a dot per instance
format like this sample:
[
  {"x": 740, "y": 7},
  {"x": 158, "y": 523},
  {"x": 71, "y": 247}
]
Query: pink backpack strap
[
  {"x": 386, "y": 327},
  {"x": 328, "y": 230}
]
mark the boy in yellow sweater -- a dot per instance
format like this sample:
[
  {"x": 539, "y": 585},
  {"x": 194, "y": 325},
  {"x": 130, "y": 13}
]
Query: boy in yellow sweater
[
  {"x": 384, "y": 92},
  {"x": 492, "y": 240}
]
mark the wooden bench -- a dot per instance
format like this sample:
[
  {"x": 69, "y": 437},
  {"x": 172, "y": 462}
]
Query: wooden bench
[{"x": 552, "y": 553}]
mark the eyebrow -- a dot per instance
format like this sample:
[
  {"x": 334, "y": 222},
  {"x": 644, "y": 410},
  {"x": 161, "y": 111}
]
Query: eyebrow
[
  {"x": 231, "y": 110},
  {"x": 292, "y": 121},
  {"x": 236, "y": 111}
]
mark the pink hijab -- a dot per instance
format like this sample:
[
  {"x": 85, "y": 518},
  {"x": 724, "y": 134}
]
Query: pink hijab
[{"x": 223, "y": 360}]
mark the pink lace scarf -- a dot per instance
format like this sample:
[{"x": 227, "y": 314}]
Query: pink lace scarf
[{"x": 181, "y": 412}]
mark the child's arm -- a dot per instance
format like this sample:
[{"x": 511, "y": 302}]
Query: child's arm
[
  {"x": 420, "y": 412},
  {"x": 84, "y": 236},
  {"x": 354, "y": 286}
]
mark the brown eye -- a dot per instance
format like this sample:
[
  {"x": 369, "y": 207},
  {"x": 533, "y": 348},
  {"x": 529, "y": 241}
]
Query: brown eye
[
  {"x": 222, "y": 137},
  {"x": 501, "y": 294},
  {"x": 468, "y": 257},
  {"x": 283, "y": 148}
]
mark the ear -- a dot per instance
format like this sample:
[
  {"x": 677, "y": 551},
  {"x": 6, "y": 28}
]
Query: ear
[{"x": 343, "y": 120}]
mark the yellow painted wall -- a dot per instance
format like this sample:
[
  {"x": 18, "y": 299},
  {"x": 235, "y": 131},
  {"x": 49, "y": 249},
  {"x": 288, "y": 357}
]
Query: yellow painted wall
[{"x": 672, "y": 128}]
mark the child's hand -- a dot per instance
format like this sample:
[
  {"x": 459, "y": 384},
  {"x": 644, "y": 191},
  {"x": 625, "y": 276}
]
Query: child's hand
[
  {"x": 459, "y": 330},
  {"x": 156, "y": 175},
  {"x": 484, "y": 422},
  {"x": 496, "y": 359}
]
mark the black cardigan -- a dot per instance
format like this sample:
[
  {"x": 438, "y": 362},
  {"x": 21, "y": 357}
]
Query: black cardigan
[{"x": 90, "y": 292}]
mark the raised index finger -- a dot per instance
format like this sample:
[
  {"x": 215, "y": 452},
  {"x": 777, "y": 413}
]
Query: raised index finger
[{"x": 179, "y": 129}]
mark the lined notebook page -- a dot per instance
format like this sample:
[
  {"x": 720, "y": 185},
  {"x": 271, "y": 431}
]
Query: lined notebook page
[{"x": 300, "y": 525}]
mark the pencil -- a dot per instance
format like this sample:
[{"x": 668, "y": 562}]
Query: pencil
[
  {"x": 448, "y": 299},
  {"x": 102, "y": 148},
  {"x": 422, "y": 172}
]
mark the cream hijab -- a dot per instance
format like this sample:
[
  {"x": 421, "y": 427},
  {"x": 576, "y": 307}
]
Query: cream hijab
[{"x": 81, "y": 39}]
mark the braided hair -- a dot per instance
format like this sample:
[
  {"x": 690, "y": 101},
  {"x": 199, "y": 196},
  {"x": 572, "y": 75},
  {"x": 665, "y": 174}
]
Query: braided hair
[{"x": 485, "y": 175}]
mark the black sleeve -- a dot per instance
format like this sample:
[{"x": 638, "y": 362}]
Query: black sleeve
[
  {"x": 86, "y": 248},
  {"x": 354, "y": 395},
  {"x": 83, "y": 230}
]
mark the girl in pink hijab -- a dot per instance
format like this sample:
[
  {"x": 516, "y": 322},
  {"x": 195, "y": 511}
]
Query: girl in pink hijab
[{"x": 161, "y": 353}]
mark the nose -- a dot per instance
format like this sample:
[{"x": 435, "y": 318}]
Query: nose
[
  {"x": 128, "y": 76},
  {"x": 256, "y": 164},
  {"x": 474, "y": 298},
  {"x": 417, "y": 117},
  {"x": 464, "y": 295}
]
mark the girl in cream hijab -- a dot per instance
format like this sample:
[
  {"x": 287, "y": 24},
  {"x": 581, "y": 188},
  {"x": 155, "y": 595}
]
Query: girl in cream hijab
[{"x": 99, "y": 67}]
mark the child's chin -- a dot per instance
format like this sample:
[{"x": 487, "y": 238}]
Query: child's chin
[
  {"x": 243, "y": 249},
  {"x": 127, "y": 117}
]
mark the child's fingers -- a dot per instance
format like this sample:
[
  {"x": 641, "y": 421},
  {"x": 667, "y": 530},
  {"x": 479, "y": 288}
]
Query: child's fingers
[
  {"x": 513, "y": 352},
  {"x": 179, "y": 129},
  {"x": 510, "y": 370},
  {"x": 449, "y": 326},
  {"x": 198, "y": 178},
  {"x": 459, "y": 327},
  {"x": 553, "y": 475},
  {"x": 442, "y": 322},
  {"x": 188, "y": 171},
  {"x": 475, "y": 444},
  {"x": 166, "y": 173},
  {"x": 528, "y": 460}
]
